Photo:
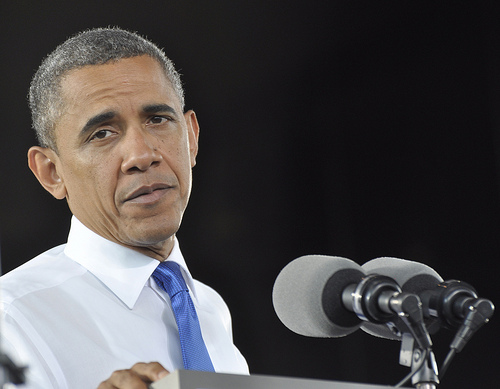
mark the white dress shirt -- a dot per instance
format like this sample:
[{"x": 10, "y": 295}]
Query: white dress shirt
[{"x": 82, "y": 310}]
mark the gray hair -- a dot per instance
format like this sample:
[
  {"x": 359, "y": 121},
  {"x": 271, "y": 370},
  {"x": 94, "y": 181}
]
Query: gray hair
[{"x": 92, "y": 47}]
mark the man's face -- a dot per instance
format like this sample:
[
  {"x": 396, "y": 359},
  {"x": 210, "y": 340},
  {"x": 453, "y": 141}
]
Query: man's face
[{"x": 125, "y": 153}]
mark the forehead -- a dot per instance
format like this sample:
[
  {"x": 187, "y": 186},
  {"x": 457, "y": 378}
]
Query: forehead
[{"x": 129, "y": 78}]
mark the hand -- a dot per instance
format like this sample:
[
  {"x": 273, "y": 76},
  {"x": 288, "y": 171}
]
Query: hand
[{"x": 138, "y": 377}]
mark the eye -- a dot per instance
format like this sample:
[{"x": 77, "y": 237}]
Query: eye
[
  {"x": 159, "y": 119},
  {"x": 101, "y": 134}
]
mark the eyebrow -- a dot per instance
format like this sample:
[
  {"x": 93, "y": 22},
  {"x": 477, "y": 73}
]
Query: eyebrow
[
  {"x": 108, "y": 115},
  {"x": 96, "y": 120},
  {"x": 155, "y": 108}
]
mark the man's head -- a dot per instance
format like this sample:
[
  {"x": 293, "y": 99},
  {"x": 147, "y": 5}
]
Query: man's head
[
  {"x": 125, "y": 149},
  {"x": 92, "y": 47}
]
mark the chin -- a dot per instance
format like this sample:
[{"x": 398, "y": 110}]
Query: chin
[{"x": 154, "y": 237}]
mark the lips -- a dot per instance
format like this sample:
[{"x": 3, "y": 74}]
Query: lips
[{"x": 148, "y": 193}]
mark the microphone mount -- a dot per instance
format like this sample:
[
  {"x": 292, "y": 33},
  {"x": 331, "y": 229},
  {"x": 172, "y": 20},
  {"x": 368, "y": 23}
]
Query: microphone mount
[
  {"x": 449, "y": 302},
  {"x": 370, "y": 298},
  {"x": 379, "y": 299}
]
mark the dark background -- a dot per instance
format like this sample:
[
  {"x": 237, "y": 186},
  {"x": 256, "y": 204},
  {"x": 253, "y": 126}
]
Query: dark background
[{"x": 350, "y": 128}]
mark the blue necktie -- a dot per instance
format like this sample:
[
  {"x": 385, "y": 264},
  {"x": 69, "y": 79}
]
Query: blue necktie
[{"x": 194, "y": 352}]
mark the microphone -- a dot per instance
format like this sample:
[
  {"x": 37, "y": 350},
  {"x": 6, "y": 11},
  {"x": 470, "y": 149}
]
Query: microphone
[
  {"x": 449, "y": 301},
  {"x": 307, "y": 296},
  {"x": 449, "y": 304},
  {"x": 414, "y": 277},
  {"x": 323, "y": 296},
  {"x": 456, "y": 305}
]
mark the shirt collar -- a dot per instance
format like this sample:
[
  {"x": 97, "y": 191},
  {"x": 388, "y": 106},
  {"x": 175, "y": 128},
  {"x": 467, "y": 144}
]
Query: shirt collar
[{"x": 123, "y": 270}]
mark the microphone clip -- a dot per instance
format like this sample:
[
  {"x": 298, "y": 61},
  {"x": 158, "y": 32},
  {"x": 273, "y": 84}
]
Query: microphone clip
[
  {"x": 379, "y": 299},
  {"x": 424, "y": 370},
  {"x": 370, "y": 298}
]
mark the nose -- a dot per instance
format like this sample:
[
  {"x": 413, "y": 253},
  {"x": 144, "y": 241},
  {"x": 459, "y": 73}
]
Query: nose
[{"x": 139, "y": 151}]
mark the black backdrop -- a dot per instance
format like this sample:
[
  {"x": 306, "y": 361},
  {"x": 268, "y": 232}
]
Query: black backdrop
[{"x": 352, "y": 128}]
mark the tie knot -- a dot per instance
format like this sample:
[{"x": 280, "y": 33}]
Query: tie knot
[{"x": 169, "y": 277}]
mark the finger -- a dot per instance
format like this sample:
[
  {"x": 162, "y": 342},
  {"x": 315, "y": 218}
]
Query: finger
[
  {"x": 123, "y": 379},
  {"x": 135, "y": 378},
  {"x": 151, "y": 372}
]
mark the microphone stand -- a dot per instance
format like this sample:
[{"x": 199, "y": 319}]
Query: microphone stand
[
  {"x": 10, "y": 373},
  {"x": 424, "y": 372}
]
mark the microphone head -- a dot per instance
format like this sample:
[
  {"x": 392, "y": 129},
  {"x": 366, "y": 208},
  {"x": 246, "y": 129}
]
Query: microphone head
[
  {"x": 307, "y": 296},
  {"x": 413, "y": 277}
]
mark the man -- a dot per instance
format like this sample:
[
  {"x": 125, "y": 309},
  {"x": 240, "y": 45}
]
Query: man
[{"x": 115, "y": 142}]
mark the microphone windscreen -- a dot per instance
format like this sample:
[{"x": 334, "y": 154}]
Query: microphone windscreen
[
  {"x": 413, "y": 277},
  {"x": 307, "y": 296}
]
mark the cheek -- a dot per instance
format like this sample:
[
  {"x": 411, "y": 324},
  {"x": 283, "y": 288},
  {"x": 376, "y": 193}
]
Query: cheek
[
  {"x": 89, "y": 184},
  {"x": 176, "y": 153},
  {"x": 180, "y": 162}
]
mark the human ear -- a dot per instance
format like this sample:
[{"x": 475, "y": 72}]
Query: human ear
[
  {"x": 42, "y": 162},
  {"x": 193, "y": 129}
]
